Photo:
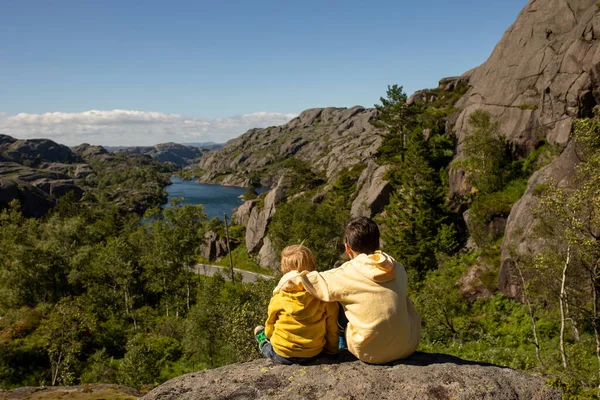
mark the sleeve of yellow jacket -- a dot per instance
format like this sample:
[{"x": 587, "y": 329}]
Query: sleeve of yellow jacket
[
  {"x": 273, "y": 312},
  {"x": 331, "y": 328}
]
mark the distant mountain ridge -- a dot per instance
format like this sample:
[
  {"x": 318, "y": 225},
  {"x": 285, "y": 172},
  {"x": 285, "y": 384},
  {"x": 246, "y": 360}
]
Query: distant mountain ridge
[{"x": 175, "y": 153}]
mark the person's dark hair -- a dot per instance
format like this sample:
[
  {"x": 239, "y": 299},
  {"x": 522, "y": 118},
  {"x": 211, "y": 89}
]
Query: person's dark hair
[{"x": 362, "y": 235}]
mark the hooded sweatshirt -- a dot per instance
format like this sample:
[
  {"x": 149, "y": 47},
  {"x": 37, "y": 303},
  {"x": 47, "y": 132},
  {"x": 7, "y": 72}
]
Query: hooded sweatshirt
[
  {"x": 300, "y": 325},
  {"x": 383, "y": 324}
]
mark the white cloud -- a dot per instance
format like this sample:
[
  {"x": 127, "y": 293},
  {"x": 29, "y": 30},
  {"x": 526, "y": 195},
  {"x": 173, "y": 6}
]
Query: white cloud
[{"x": 130, "y": 127}]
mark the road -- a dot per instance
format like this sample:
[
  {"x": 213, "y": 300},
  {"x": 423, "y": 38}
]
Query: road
[{"x": 247, "y": 276}]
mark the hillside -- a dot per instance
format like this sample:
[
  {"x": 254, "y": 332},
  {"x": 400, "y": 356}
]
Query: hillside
[
  {"x": 177, "y": 154},
  {"x": 328, "y": 139},
  {"x": 37, "y": 172}
]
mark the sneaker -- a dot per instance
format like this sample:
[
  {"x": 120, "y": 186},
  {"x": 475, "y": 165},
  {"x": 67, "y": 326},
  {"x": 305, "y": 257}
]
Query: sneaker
[{"x": 261, "y": 338}]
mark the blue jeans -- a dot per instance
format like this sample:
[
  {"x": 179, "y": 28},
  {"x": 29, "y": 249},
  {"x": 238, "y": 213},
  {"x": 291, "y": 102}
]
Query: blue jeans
[{"x": 268, "y": 351}]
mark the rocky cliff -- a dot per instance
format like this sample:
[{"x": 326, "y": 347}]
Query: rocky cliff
[
  {"x": 421, "y": 376},
  {"x": 544, "y": 73},
  {"x": 328, "y": 139}
]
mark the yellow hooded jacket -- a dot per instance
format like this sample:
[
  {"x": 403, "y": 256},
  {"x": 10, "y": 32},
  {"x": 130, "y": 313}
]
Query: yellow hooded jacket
[
  {"x": 299, "y": 325},
  {"x": 383, "y": 324}
]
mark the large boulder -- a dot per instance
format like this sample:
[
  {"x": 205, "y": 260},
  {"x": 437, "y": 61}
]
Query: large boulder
[
  {"x": 373, "y": 191},
  {"x": 95, "y": 391},
  {"x": 215, "y": 246},
  {"x": 421, "y": 376}
]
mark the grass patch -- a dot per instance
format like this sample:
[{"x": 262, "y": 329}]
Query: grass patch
[
  {"x": 531, "y": 107},
  {"x": 243, "y": 260}
]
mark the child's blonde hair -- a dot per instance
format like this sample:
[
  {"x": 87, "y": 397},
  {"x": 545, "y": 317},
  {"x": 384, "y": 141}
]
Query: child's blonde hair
[{"x": 297, "y": 257}]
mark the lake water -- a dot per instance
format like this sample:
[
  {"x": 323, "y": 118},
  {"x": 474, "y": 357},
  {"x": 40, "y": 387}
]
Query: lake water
[{"x": 216, "y": 199}]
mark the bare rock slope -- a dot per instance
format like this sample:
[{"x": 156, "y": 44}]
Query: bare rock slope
[
  {"x": 544, "y": 72},
  {"x": 329, "y": 139},
  {"x": 421, "y": 376}
]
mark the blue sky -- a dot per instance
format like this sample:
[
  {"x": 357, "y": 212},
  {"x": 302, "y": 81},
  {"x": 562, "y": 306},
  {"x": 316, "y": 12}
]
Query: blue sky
[{"x": 221, "y": 61}]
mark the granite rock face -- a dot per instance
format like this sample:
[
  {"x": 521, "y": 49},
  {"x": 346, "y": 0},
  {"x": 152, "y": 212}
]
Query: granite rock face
[
  {"x": 328, "y": 139},
  {"x": 256, "y": 229},
  {"x": 268, "y": 257},
  {"x": 544, "y": 72},
  {"x": 421, "y": 376},
  {"x": 373, "y": 191},
  {"x": 241, "y": 214}
]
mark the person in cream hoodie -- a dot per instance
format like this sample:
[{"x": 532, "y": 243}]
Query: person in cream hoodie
[{"x": 383, "y": 324}]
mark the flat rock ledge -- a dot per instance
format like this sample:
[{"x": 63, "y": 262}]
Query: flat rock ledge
[{"x": 421, "y": 376}]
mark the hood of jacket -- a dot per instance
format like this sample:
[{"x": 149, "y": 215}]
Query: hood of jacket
[
  {"x": 378, "y": 267},
  {"x": 299, "y": 302}
]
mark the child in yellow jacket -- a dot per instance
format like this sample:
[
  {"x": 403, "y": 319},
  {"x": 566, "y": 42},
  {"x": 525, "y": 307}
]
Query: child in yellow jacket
[
  {"x": 299, "y": 327},
  {"x": 383, "y": 324}
]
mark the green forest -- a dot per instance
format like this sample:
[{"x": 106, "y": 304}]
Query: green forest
[{"x": 93, "y": 293}]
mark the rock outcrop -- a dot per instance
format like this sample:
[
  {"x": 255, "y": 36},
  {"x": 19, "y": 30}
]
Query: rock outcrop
[
  {"x": 373, "y": 191},
  {"x": 215, "y": 246},
  {"x": 421, "y": 376},
  {"x": 37, "y": 172},
  {"x": 328, "y": 139},
  {"x": 260, "y": 217},
  {"x": 32, "y": 152},
  {"x": 241, "y": 214},
  {"x": 268, "y": 257},
  {"x": 544, "y": 73}
]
